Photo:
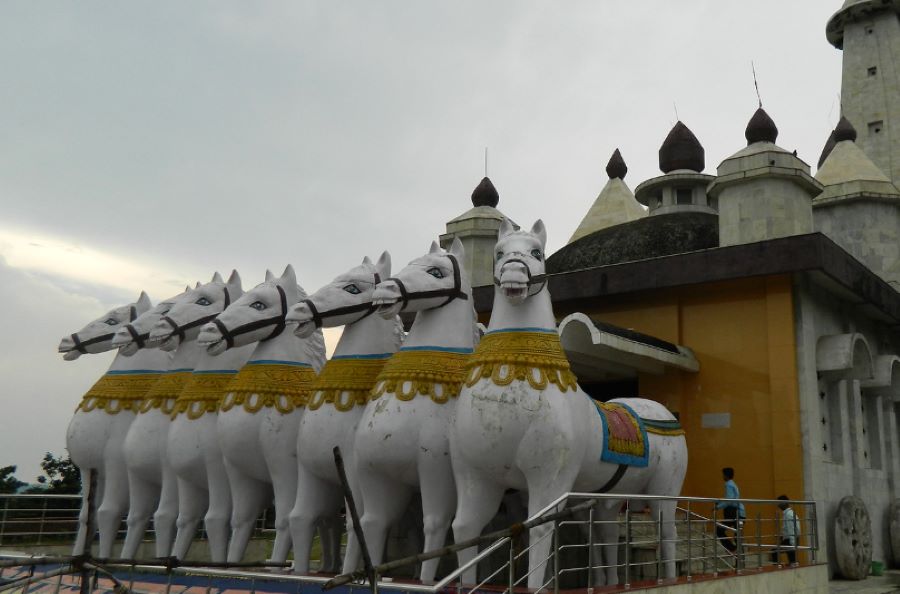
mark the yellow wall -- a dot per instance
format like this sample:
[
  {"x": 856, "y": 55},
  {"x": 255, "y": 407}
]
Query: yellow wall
[{"x": 742, "y": 333}]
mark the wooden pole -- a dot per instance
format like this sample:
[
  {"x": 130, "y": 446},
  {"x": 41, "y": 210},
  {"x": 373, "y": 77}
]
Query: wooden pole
[{"x": 369, "y": 571}]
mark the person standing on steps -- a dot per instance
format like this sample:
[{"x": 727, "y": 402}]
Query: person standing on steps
[
  {"x": 733, "y": 511},
  {"x": 790, "y": 531}
]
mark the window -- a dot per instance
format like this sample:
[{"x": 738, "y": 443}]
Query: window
[
  {"x": 830, "y": 411},
  {"x": 873, "y": 70},
  {"x": 713, "y": 203},
  {"x": 656, "y": 202},
  {"x": 871, "y": 430},
  {"x": 683, "y": 196},
  {"x": 876, "y": 127}
]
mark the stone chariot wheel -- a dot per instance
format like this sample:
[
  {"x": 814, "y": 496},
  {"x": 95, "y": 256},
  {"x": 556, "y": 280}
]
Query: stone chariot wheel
[{"x": 853, "y": 538}]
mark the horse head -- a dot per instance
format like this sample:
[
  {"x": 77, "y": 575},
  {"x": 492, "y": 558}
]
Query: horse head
[
  {"x": 134, "y": 335},
  {"x": 258, "y": 315},
  {"x": 345, "y": 300},
  {"x": 97, "y": 336},
  {"x": 195, "y": 308},
  {"x": 429, "y": 282},
  {"x": 519, "y": 261}
]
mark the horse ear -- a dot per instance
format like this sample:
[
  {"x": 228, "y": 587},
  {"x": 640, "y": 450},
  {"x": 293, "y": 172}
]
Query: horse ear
[
  {"x": 235, "y": 279},
  {"x": 539, "y": 231},
  {"x": 187, "y": 288},
  {"x": 506, "y": 227},
  {"x": 143, "y": 303},
  {"x": 198, "y": 285},
  {"x": 383, "y": 266},
  {"x": 367, "y": 260},
  {"x": 289, "y": 277},
  {"x": 457, "y": 248},
  {"x": 269, "y": 275},
  {"x": 217, "y": 278},
  {"x": 435, "y": 248}
]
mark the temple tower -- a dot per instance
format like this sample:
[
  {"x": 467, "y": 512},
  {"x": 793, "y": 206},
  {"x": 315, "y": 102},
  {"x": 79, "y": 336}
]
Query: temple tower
[
  {"x": 615, "y": 204},
  {"x": 868, "y": 31}
]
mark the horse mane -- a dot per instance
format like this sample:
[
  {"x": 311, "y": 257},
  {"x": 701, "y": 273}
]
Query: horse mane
[{"x": 314, "y": 346}]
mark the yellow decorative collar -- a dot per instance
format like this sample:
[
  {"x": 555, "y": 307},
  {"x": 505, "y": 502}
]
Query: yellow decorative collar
[
  {"x": 438, "y": 374},
  {"x": 535, "y": 357},
  {"x": 117, "y": 391},
  {"x": 345, "y": 382},
  {"x": 203, "y": 393},
  {"x": 282, "y": 385},
  {"x": 165, "y": 391}
]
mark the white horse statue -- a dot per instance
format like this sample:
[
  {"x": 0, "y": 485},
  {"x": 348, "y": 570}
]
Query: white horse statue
[
  {"x": 96, "y": 432},
  {"x": 193, "y": 445},
  {"x": 402, "y": 443},
  {"x": 338, "y": 396},
  {"x": 522, "y": 422},
  {"x": 152, "y": 485},
  {"x": 260, "y": 415}
]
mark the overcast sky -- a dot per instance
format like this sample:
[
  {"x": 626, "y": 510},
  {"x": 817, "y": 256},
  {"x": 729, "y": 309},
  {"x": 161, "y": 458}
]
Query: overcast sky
[{"x": 144, "y": 145}]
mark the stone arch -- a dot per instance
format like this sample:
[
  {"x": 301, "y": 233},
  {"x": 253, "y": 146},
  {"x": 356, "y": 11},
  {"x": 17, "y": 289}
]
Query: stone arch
[{"x": 844, "y": 356}]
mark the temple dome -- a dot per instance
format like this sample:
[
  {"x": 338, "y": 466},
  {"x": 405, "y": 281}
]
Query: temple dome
[{"x": 681, "y": 150}]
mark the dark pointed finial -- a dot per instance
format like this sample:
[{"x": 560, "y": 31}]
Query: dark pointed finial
[
  {"x": 681, "y": 150},
  {"x": 844, "y": 131},
  {"x": 761, "y": 128},
  {"x": 826, "y": 150},
  {"x": 616, "y": 168},
  {"x": 485, "y": 194}
]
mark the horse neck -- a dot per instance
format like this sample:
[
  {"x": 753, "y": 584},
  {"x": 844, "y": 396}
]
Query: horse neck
[
  {"x": 451, "y": 326},
  {"x": 187, "y": 355},
  {"x": 372, "y": 335},
  {"x": 230, "y": 360},
  {"x": 534, "y": 312},
  {"x": 149, "y": 359},
  {"x": 284, "y": 347}
]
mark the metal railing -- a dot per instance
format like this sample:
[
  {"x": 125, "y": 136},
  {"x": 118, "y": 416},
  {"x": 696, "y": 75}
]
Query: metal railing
[
  {"x": 42, "y": 519},
  {"x": 703, "y": 541}
]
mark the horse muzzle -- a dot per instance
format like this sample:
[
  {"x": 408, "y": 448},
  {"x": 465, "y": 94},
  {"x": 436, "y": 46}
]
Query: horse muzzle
[
  {"x": 514, "y": 281},
  {"x": 301, "y": 315},
  {"x": 163, "y": 336},
  {"x": 67, "y": 349},
  {"x": 212, "y": 339},
  {"x": 387, "y": 299}
]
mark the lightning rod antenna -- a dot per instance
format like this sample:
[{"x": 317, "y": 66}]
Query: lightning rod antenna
[
  {"x": 677, "y": 119},
  {"x": 485, "y": 162},
  {"x": 756, "y": 82}
]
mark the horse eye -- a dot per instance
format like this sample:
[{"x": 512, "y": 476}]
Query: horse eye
[
  {"x": 111, "y": 322},
  {"x": 537, "y": 255},
  {"x": 499, "y": 255},
  {"x": 203, "y": 301},
  {"x": 165, "y": 311},
  {"x": 435, "y": 272},
  {"x": 258, "y": 305},
  {"x": 352, "y": 289}
]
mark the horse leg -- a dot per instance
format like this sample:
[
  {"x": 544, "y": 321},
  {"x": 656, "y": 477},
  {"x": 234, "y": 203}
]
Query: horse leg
[
  {"x": 192, "y": 503},
  {"x": 330, "y": 531},
  {"x": 353, "y": 552},
  {"x": 478, "y": 499},
  {"x": 250, "y": 498},
  {"x": 167, "y": 511},
  {"x": 385, "y": 501},
  {"x": 144, "y": 499},
  {"x": 438, "y": 505},
  {"x": 607, "y": 513},
  {"x": 114, "y": 504},
  {"x": 218, "y": 516},
  {"x": 544, "y": 486},
  {"x": 86, "y": 533},
  {"x": 315, "y": 499},
  {"x": 283, "y": 471},
  {"x": 668, "y": 535}
]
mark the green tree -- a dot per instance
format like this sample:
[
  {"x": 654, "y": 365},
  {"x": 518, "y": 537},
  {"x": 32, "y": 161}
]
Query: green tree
[
  {"x": 60, "y": 475},
  {"x": 8, "y": 482}
]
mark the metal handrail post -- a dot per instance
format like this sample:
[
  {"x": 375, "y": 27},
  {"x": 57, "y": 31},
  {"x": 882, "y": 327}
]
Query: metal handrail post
[
  {"x": 512, "y": 566},
  {"x": 738, "y": 544},
  {"x": 715, "y": 526},
  {"x": 556, "y": 567},
  {"x": 659, "y": 550},
  {"x": 690, "y": 535},
  {"x": 759, "y": 554},
  {"x": 815, "y": 533},
  {"x": 590, "y": 575},
  {"x": 627, "y": 543},
  {"x": 41, "y": 524},
  {"x": 5, "y": 514}
]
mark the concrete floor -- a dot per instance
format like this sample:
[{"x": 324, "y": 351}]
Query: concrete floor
[{"x": 888, "y": 583}]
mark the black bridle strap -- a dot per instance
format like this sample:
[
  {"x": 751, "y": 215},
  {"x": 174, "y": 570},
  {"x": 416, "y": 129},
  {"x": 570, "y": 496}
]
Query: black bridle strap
[
  {"x": 179, "y": 330},
  {"x": 139, "y": 339},
  {"x": 532, "y": 280},
  {"x": 455, "y": 292},
  {"x": 318, "y": 317},
  {"x": 277, "y": 321},
  {"x": 81, "y": 345}
]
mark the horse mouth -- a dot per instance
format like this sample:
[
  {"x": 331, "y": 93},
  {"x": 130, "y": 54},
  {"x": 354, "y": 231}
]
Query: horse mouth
[
  {"x": 514, "y": 292},
  {"x": 164, "y": 342},
  {"x": 70, "y": 355},
  {"x": 387, "y": 307},
  {"x": 217, "y": 347},
  {"x": 129, "y": 349},
  {"x": 305, "y": 329}
]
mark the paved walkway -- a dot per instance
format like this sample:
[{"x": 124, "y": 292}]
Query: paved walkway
[{"x": 889, "y": 583}]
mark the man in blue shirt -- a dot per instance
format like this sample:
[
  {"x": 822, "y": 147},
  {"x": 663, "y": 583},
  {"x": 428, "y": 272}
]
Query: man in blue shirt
[
  {"x": 790, "y": 531},
  {"x": 731, "y": 510}
]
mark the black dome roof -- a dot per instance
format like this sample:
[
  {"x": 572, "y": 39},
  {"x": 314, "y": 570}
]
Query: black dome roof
[
  {"x": 681, "y": 150},
  {"x": 485, "y": 194},
  {"x": 761, "y": 128}
]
